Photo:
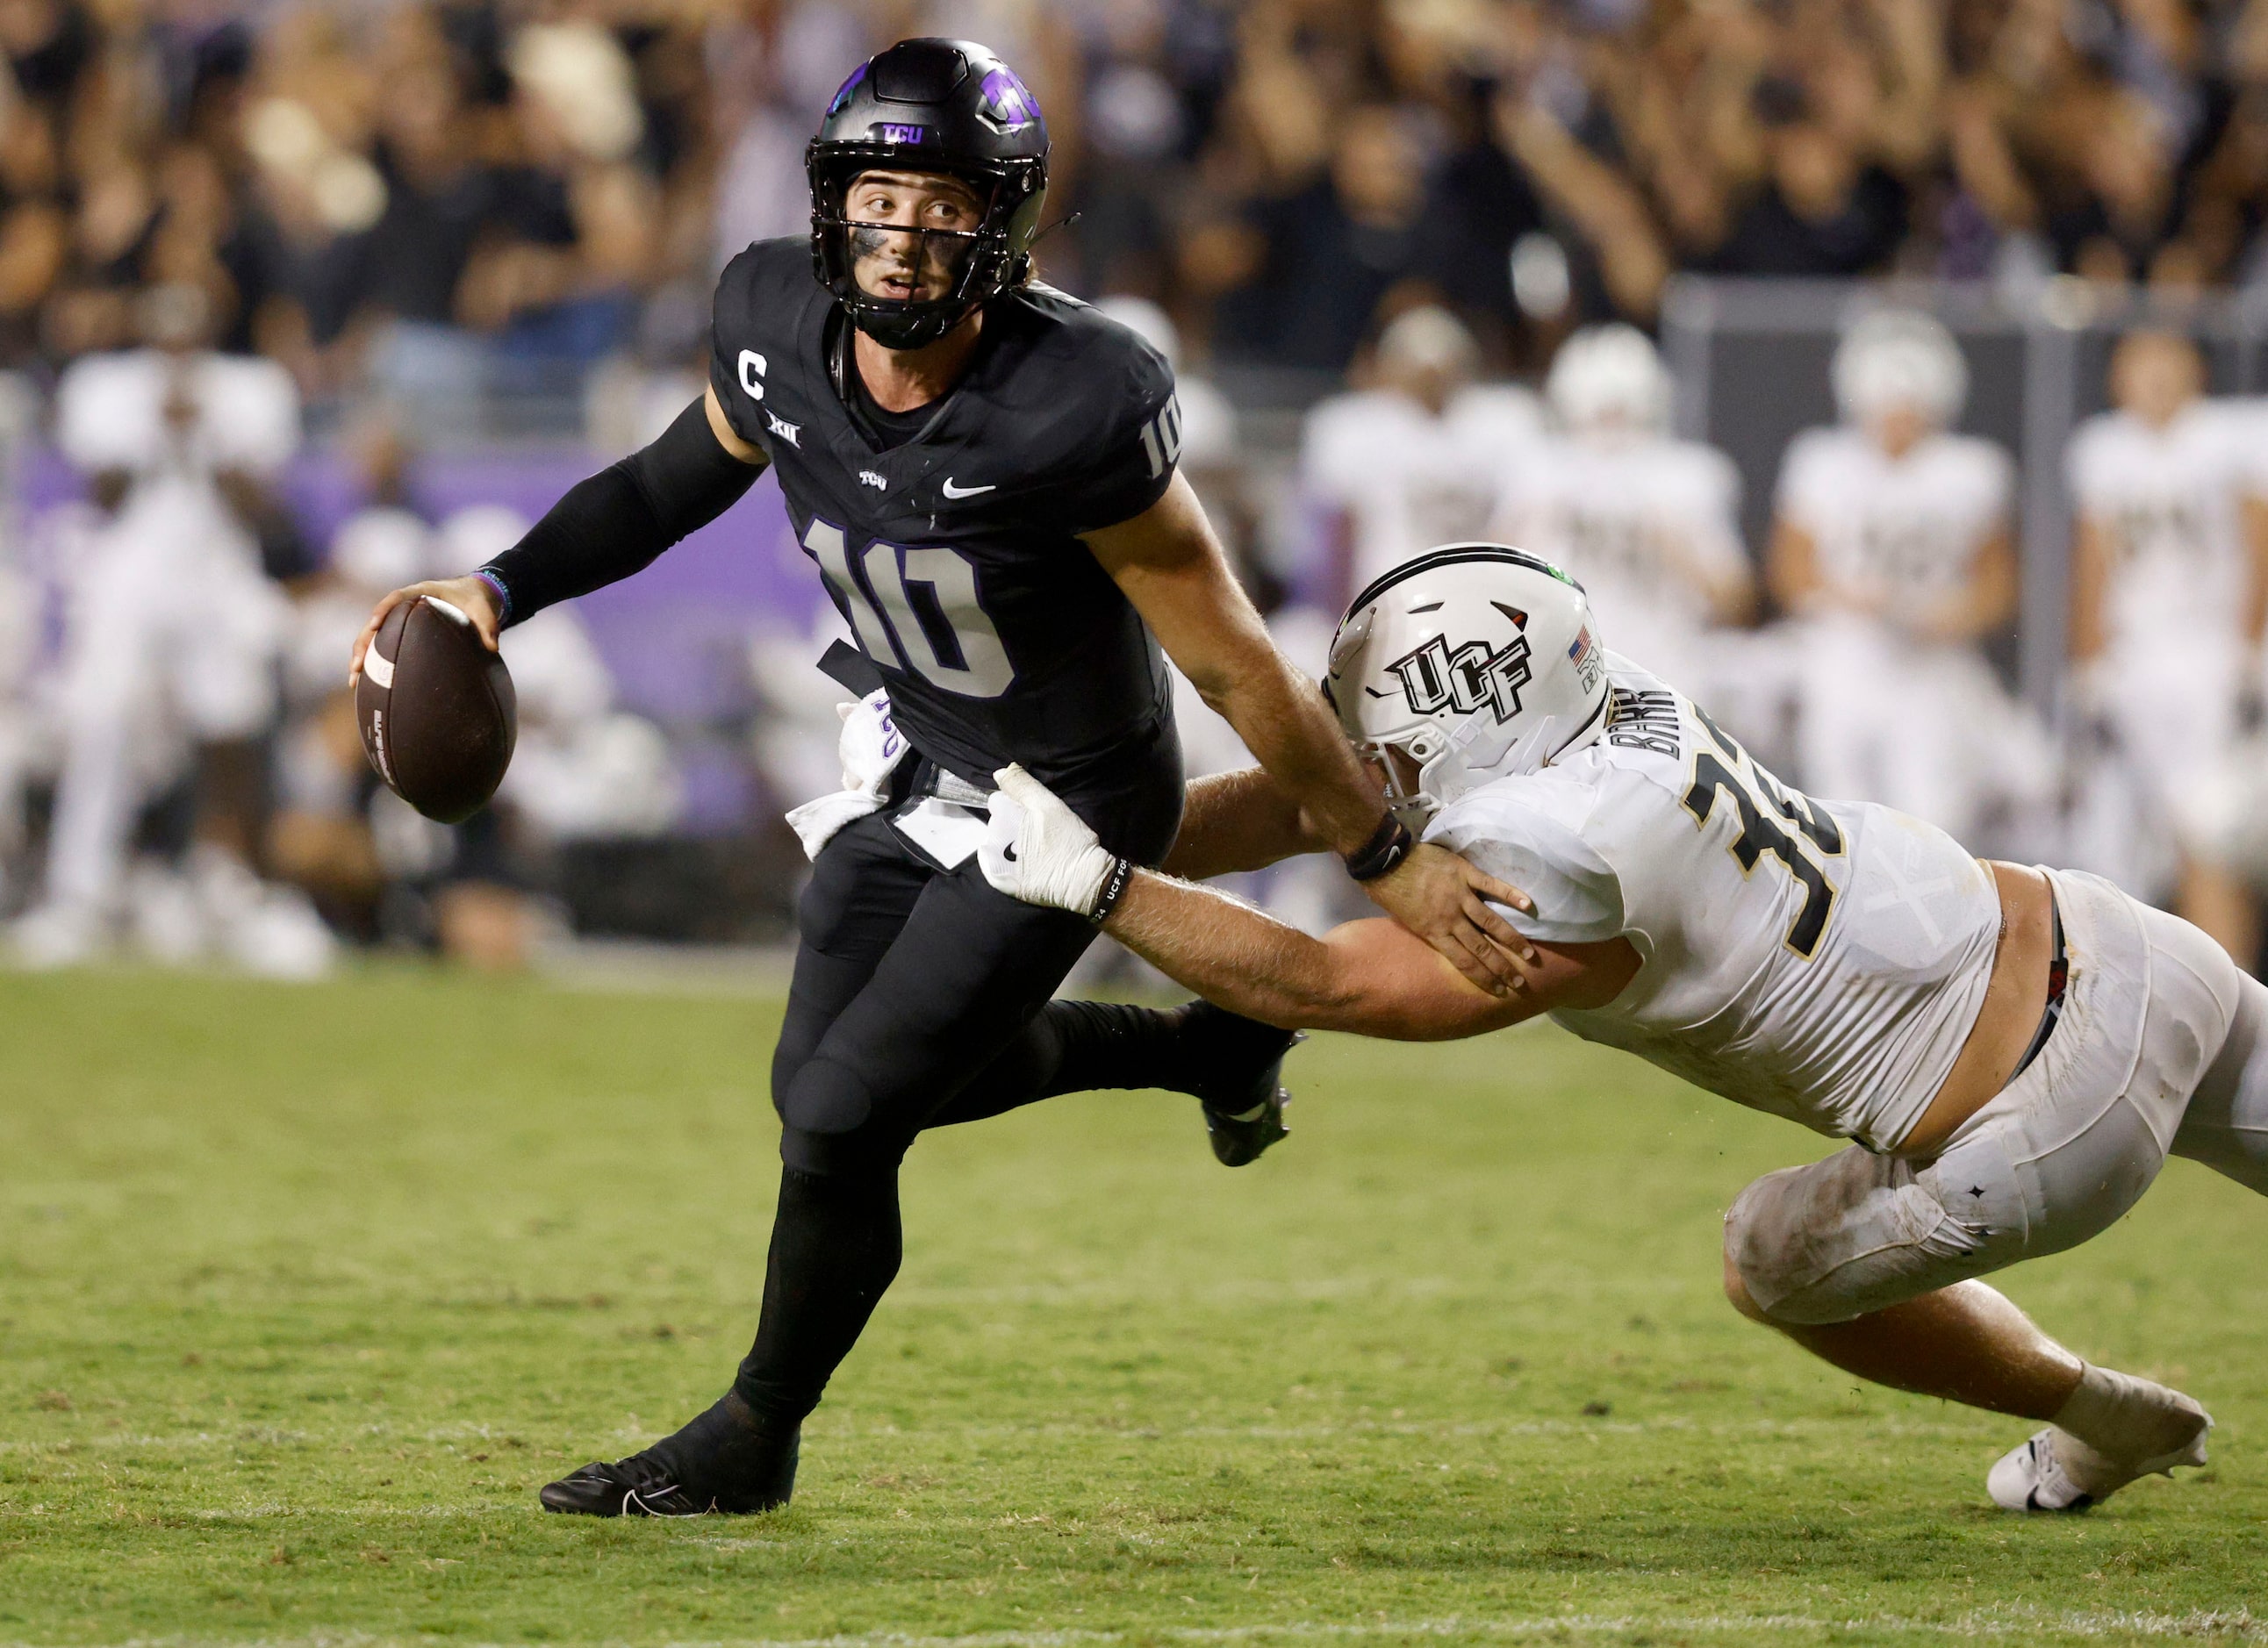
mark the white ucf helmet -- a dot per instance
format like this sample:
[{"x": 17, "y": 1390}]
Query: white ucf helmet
[
  {"x": 1474, "y": 661},
  {"x": 1899, "y": 357},
  {"x": 1608, "y": 378}
]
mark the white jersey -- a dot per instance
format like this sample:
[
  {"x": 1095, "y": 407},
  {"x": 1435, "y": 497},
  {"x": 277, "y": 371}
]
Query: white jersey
[
  {"x": 1904, "y": 531},
  {"x": 1408, "y": 479},
  {"x": 1641, "y": 524},
  {"x": 1821, "y": 960},
  {"x": 2167, "y": 503}
]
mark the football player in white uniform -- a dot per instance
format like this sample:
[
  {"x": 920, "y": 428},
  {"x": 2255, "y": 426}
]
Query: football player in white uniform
[
  {"x": 1421, "y": 458},
  {"x": 172, "y": 639},
  {"x": 2012, "y": 1051},
  {"x": 1892, "y": 546},
  {"x": 2170, "y": 595},
  {"x": 1648, "y": 524}
]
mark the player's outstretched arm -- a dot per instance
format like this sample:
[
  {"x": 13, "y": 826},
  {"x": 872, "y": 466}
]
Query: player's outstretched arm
[
  {"x": 1172, "y": 568},
  {"x": 1237, "y": 820},
  {"x": 1372, "y": 977},
  {"x": 605, "y": 529}
]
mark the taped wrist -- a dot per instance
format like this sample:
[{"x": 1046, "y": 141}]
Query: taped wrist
[{"x": 616, "y": 522}]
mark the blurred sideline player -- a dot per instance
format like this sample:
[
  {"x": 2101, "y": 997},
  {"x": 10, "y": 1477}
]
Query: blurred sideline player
[
  {"x": 173, "y": 631},
  {"x": 1892, "y": 546},
  {"x": 1419, "y": 458},
  {"x": 1647, "y": 524},
  {"x": 2013, "y": 1051},
  {"x": 983, "y": 470},
  {"x": 2170, "y": 595}
]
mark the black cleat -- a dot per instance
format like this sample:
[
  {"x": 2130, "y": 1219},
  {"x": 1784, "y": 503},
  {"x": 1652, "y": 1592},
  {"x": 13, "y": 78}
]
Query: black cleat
[
  {"x": 1239, "y": 1139},
  {"x": 649, "y": 1484},
  {"x": 640, "y": 1485},
  {"x": 1240, "y": 1093}
]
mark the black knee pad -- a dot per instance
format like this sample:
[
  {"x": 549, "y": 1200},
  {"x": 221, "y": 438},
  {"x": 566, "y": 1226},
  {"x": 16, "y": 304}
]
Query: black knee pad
[
  {"x": 826, "y": 1097},
  {"x": 831, "y": 1124}
]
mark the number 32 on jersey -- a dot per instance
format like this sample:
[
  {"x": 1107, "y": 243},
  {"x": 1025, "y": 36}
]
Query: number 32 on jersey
[
  {"x": 922, "y": 616},
  {"x": 1763, "y": 803}
]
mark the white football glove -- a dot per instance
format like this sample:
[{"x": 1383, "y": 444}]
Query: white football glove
[
  {"x": 871, "y": 749},
  {"x": 1039, "y": 851}
]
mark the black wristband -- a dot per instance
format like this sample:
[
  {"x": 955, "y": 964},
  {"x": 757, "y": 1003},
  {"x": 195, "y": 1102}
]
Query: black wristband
[
  {"x": 1114, "y": 888},
  {"x": 1382, "y": 854}
]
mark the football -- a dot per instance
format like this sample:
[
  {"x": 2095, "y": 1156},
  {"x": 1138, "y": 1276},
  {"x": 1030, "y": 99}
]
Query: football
[{"x": 437, "y": 709}]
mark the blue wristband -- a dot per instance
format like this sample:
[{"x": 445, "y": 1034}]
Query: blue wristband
[{"x": 503, "y": 594}]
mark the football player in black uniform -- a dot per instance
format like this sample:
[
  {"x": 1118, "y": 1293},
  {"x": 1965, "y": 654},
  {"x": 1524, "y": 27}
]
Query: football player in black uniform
[{"x": 983, "y": 470}]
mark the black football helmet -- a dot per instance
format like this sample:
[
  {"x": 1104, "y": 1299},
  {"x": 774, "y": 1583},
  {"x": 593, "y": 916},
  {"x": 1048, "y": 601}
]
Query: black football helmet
[{"x": 942, "y": 106}]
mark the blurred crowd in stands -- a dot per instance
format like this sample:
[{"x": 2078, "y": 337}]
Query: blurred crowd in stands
[
  {"x": 438, "y": 200},
  {"x": 239, "y": 240}
]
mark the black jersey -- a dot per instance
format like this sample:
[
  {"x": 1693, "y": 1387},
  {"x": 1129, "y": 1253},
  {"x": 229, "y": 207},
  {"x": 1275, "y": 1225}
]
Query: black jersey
[{"x": 954, "y": 554}]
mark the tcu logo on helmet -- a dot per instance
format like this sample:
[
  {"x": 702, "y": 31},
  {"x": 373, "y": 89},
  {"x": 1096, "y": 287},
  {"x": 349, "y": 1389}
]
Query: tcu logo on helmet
[
  {"x": 1470, "y": 678},
  {"x": 1007, "y": 105}
]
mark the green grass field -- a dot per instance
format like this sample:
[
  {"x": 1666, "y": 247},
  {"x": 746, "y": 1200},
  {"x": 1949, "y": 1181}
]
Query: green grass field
[{"x": 304, "y": 1291}]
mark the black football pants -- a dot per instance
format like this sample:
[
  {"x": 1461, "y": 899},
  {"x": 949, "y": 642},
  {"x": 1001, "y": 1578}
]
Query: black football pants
[{"x": 921, "y": 997}]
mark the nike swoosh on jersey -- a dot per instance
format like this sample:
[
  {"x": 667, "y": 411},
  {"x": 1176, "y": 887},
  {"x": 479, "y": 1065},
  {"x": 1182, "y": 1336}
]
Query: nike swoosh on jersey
[{"x": 953, "y": 492}]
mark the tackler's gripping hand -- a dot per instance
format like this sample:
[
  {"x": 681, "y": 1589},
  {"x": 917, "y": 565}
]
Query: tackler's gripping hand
[
  {"x": 1039, "y": 851},
  {"x": 1446, "y": 901},
  {"x": 871, "y": 749}
]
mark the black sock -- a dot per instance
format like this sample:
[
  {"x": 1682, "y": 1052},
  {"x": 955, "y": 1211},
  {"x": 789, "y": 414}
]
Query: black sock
[
  {"x": 835, "y": 1247},
  {"x": 726, "y": 1452},
  {"x": 1102, "y": 1045},
  {"x": 1090, "y": 1046}
]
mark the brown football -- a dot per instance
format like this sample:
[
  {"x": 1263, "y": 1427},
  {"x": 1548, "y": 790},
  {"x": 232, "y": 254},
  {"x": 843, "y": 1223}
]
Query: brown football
[{"x": 437, "y": 709}]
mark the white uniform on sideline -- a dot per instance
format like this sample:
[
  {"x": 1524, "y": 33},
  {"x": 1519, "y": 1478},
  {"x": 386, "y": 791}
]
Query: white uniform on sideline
[
  {"x": 1887, "y": 715},
  {"x": 173, "y": 637},
  {"x": 1839, "y": 992},
  {"x": 1648, "y": 524},
  {"x": 1423, "y": 458},
  {"x": 1634, "y": 520},
  {"x": 173, "y": 629},
  {"x": 2168, "y": 504},
  {"x": 1408, "y": 479}
]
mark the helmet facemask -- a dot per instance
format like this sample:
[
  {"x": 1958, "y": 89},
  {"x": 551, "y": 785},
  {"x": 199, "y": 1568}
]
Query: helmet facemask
[
  {"x": 979, "y": 263},
  {"x": 1471, "y": 753}
]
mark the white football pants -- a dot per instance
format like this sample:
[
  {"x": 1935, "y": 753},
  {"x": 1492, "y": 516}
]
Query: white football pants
[{"x": 172, "y": 640}]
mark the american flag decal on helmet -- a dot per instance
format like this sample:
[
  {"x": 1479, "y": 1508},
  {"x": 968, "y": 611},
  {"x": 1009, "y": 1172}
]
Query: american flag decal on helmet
[{"x": 1583, "y": 653}]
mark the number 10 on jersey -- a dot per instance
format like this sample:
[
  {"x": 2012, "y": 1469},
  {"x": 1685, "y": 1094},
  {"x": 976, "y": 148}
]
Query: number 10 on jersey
[{"x": 914, "y": 608}]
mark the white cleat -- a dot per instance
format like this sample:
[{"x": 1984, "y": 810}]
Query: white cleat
[{"x": 2054, "y": 1470}]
